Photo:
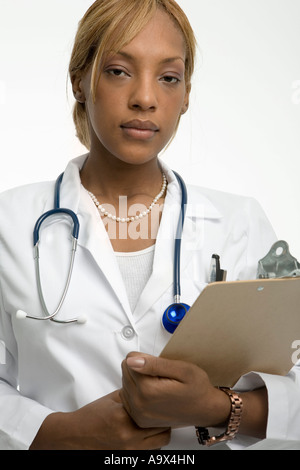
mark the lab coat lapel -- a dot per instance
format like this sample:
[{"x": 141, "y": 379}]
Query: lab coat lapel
[
  {"x": 92, "y": 234},
  {"x": 162, "y": 274},
  {"x": 95, "y": 239},
  {"x": 198, "y": 209}
]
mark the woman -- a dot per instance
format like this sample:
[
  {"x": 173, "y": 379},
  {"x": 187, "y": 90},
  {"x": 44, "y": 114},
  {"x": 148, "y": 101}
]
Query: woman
[{"x": 61, "y": 387}]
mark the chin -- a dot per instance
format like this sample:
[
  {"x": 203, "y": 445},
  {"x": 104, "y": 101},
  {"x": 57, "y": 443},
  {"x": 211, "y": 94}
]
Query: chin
[{"x": 137, "y": 156}]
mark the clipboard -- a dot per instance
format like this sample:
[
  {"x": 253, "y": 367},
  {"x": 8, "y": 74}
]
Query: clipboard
[{"x": 237, "y": 327}]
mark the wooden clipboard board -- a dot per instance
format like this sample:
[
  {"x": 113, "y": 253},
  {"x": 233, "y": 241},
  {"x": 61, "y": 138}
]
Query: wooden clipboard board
[{"x": 237, "y": 327}]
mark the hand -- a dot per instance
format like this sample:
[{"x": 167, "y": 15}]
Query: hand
[
  {"x": 163, "y": 392},
  {"x": 103, "y": 424}
]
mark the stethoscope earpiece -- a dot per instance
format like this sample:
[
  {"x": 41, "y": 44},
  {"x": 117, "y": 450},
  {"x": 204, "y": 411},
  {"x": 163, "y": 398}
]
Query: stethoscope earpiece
[
  {"x": 21, "y": 315},
  {"x": 82, "y": 320},
  {"x": 173, "y": 316}
]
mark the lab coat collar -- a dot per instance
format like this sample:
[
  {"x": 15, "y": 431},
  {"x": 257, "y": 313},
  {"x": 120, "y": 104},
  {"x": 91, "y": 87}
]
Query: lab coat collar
[
  {"x": 93, "y": 235},
  {"x": 199, "y": 206}
]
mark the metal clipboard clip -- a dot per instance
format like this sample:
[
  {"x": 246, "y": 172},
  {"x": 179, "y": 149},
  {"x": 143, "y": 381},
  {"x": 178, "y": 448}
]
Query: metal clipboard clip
[{"x": 278, "y": 263}]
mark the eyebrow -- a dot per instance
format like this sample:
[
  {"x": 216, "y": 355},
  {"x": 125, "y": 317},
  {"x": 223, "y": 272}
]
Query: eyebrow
[{"x": 163, "y": 61}]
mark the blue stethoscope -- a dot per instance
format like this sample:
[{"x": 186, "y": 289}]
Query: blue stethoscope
[{"x": 172, "y": 315}]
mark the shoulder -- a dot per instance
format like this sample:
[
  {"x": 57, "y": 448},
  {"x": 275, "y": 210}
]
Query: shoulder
[
  {"x": 224, "y": 204},
  {"x": 27, "y": 199},
  {"x": 20, "y": 208},
  {"x": 28, "y": 191}
]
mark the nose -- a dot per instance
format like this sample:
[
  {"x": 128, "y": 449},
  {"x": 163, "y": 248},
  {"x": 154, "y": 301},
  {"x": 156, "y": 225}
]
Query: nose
[{"x": 143, "y": 95}]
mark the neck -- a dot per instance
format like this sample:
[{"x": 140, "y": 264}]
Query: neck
[{"x": 110, "y": 177}]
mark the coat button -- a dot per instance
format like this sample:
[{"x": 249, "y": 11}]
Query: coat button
[{"x": 127, "y": 332}]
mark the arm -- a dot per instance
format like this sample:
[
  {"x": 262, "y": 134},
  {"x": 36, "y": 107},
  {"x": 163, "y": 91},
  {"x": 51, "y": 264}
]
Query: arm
[
  {"x": 162, "y": 392},
  {"x": 20, "y": 417},
  {"x": 102, "y": 424}
]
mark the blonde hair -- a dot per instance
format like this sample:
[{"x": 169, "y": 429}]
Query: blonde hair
[{"x": 109, "y": 25}]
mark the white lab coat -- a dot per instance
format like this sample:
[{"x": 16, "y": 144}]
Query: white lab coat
[{"x": 63, "y": 367}]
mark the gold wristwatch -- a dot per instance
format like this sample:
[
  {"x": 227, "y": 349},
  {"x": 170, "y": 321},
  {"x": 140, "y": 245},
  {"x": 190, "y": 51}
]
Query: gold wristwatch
[{"x": 233, "y": 423}]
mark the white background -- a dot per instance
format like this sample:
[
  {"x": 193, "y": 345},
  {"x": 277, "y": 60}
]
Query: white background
[{"x": 241, "y": 134}]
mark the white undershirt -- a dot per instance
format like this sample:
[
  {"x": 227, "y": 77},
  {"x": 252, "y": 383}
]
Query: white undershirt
[{"x": 136, "y": 269}]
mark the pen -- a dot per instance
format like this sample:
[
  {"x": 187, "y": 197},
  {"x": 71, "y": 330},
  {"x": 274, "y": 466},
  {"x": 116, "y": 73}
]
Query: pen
[{"x": 216, "y": 274}]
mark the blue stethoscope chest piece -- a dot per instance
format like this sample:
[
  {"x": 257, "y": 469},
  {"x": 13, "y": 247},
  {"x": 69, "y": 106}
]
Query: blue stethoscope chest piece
[{"x": 173, "y": 316}]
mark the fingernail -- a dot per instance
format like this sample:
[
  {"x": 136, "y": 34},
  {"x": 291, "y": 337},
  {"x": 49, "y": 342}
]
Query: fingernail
[{"x": 135, "y": 362}]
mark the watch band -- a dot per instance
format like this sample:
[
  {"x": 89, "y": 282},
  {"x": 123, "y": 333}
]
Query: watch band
[{"x": 232, "y": 426}]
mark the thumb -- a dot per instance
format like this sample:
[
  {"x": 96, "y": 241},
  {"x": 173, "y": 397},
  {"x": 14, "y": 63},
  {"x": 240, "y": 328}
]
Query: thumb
[{"x": 155, "y": 366}]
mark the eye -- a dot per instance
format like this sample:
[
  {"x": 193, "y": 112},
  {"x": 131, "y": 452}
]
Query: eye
[
  {"x": 170, "y": 79},
  {"x": 116, "y": 72}
]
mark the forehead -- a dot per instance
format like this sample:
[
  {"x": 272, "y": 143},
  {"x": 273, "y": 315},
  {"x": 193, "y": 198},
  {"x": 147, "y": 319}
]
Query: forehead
[{"x": 161, "y": 38}]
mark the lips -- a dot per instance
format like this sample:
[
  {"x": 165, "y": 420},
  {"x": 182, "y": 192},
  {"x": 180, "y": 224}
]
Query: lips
[
  {"x": 141, "y": 125},
  {"x": 140, "y": 130}
]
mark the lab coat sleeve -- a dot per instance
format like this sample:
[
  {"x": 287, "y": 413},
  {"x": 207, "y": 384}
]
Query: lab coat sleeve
[
  {"x": 283, "y": 401},
  {"x": 20, "y": 417}
]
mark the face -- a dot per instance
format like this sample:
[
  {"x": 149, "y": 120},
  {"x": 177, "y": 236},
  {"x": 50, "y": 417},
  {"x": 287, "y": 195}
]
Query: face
[{"x": 140, "y": 95}]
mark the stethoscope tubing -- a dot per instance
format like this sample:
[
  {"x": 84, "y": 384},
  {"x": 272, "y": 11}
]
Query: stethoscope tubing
[
  {"x": 43, "y": 217},
  {"x": 167, "y": 319},
  {"x": 40, "y": 290},
  {"x": 179, "y": 230},
  {"x": 57, "y": 210}
]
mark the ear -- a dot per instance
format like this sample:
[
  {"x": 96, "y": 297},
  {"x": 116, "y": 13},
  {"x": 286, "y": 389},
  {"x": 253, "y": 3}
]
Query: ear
[
  {"x": 77, "y": 87},
  {"x": 186, "y": 102},
  {"x": 184, "y": 108}
]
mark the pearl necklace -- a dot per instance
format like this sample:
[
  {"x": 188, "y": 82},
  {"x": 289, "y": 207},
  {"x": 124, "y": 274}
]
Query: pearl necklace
[{"x": 103, "y": 212}]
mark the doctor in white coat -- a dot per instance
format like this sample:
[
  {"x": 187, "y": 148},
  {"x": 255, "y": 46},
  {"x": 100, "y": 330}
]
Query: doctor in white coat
[{"x": 61, "y": 384}]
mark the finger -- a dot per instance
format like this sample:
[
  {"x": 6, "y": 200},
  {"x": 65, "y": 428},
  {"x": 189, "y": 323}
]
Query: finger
[
  {"x": 137, "y": 359},
  {"x": 155, "y": 431},
  {"x": 130, "y": 392},
  {"x": 129, "y": 376},
  {"x": 125, "y": 401},
  {"x": 115, "y": 396},
  {"x": 158, "y": 367},
  {"x": 158, "y": 440},
  {"x": 147, "y": 431}
]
